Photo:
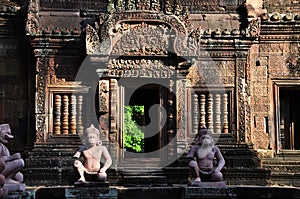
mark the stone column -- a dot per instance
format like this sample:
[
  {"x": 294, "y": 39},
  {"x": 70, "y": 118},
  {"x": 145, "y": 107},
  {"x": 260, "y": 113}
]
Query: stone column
[{"x": 113, "y": 133}]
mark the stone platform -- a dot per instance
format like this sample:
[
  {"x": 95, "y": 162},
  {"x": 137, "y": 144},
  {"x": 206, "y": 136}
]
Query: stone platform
[{"x": 174, "y": 192}]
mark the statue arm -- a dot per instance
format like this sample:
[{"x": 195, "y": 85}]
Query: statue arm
[
  {"x": 107, "y": 158},
  {"x": 221, "y": 161},
  {"x": 191, "y": 153}
]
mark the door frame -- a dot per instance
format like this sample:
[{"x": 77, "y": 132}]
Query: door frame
[
  {"x": 277, "y": 85},
  {"x": 122, "y": 97}
]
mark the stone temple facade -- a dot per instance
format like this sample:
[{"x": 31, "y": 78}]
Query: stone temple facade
[{"x": 232, "y": 65}]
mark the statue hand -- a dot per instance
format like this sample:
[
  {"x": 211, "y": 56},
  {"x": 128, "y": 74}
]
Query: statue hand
[{"x": 102, "y": 170}]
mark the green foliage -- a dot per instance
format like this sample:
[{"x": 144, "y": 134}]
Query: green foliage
[{"x": 133, "y": 134}]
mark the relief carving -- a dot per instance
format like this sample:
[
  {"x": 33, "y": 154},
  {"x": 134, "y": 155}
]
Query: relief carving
[
  {"x": 142, "y": 39},
  {"x": 181, "y": 110},
  {"x": 139, "y": 68},
  {"x": 104, "y": 96},
  {"x": 92, "y": 40},
  {"x": 32, "y": 24}
]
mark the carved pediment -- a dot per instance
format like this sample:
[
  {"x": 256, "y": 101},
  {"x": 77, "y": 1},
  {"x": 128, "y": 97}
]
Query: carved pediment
[{"x": 141, "y": 39}]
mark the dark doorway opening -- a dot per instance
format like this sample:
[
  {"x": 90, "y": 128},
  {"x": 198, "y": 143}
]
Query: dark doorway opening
[
  {"x": 149, "y": 97},
  {"x": 290, "y": 118}
]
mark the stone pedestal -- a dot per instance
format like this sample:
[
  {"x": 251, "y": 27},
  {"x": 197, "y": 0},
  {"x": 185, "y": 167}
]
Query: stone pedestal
[
  {"x": 210, "y": 192},
  {"x": 209, "y": 184},
  {"x": 14, "y": 187},
  {"x": 92, "y": 184},
  {"x": 95, "y": 192}
]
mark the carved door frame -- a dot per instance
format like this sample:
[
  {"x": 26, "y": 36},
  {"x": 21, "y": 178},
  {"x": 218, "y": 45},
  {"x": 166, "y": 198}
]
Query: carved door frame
[
  {"x": 279, "y": 84},
  {"x": 121, "y": 104}
]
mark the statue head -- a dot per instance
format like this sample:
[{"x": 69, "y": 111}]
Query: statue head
[
  {"x": 206, "y": 141},
  {"x": 92, "y": 136},
  {"x": 5, "y": 133}
]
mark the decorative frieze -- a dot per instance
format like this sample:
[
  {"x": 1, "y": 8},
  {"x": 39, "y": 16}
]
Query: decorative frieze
[{"x": 139, "y": 68}]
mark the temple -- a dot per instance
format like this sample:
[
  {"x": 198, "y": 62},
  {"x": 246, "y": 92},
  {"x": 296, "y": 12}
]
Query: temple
[{"x": 231, "y": 65}]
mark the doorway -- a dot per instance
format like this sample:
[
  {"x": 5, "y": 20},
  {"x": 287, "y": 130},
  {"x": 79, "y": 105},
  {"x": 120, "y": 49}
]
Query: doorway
[
  {"x": 289, "y": 118},
  {"x": 145, "y": 105}
]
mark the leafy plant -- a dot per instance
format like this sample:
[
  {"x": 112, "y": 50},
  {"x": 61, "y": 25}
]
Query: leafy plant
[{"x": 133, "y": 134}]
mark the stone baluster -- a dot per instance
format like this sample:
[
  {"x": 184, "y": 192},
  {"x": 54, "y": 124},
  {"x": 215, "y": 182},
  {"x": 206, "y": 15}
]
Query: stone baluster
[
  {"x": 57, "y": 116},
  {"x": 195, "y": 113},
  {"x": 218, "y": 113},
  {"x": 73, "y": 115},
  {"x": 210, "y": 112},
  {"x": 202, "y": 110},
  {"x": 65, "y": 122},
  {"x": 79, "y": 118},
  {"x": 225, "y": 113}
]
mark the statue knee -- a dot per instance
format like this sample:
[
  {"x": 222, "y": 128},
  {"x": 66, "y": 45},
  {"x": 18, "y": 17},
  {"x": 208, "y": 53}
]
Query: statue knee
[
  {"x": 77, "y": 163},
  {"x": 19, "y": 177},
  {"x": 193, "y": 164},
  {"x": 20, "y": 163},
  {"x": 102, "y": 176},
  {"x": 2, "y": 164},
  {"x": 217, "y": 177}
]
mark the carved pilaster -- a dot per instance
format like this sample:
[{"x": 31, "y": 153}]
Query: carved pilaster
[
  {"x": 40, "y": 95},
  {"x": 104, "y": 106},
  {"x": 181, "y": 116},
  {"x": 181, "y": 128},
  {"x": 243, "y": 105},
  {"x": 171, "y": 120},
  {"x": 113, "y": 133}
]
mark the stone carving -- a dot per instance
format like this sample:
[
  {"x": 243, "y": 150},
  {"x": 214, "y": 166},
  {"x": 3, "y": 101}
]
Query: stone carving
[
  {"x": 32, "y": 24},
  {"x": 10, "y": 165},
  {"x": 139, "y": 68},
  {"x": 103, "y": 96},
  {"x": 142, "y": 39},
  {"x": 205, "y": 151},
  {"x": 92, "y": 40},
  {"x": 41, "y": 65},
  {"x": 92, "y": 151}
]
